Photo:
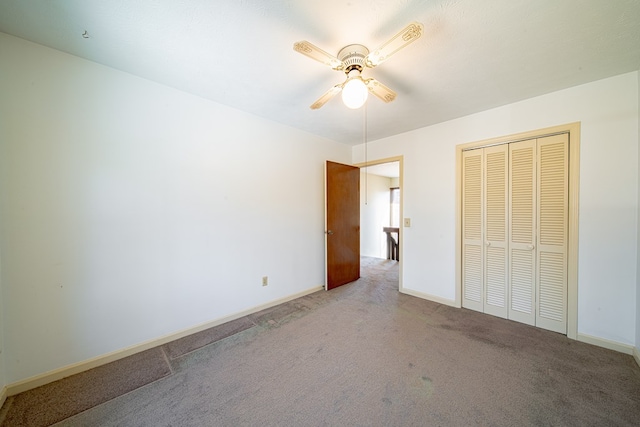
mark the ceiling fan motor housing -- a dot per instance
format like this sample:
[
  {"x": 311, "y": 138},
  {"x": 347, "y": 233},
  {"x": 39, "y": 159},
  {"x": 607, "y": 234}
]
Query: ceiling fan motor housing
[{"x": 353, "y": 57}]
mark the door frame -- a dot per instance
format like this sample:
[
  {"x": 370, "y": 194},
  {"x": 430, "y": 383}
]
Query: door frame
[
  {"x": 573, "y": 129},
  {"x": 400, "y": 160}
]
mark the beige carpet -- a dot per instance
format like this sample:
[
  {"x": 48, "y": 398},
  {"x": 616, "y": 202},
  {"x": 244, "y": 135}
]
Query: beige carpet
[
  {"x": 366, "y": 355},
  {"x": 53, "y": 402}
]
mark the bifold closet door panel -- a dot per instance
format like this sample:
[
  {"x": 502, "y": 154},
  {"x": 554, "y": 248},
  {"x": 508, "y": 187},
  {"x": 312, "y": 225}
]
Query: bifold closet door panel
[
  {"x": 472, "y": 232},
  {"x": 522, "y": 228},
  {"x": 495, "y": 230},
  {"x": 552, "y": 213}
]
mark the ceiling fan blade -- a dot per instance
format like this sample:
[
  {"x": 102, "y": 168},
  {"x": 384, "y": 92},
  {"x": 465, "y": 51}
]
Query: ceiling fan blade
[
  {"x": 380, "y": 90},
  {"x": 327, "y": 96},
  {"x": 409, "y": 34},
  {"x": 314, "y": 52}
]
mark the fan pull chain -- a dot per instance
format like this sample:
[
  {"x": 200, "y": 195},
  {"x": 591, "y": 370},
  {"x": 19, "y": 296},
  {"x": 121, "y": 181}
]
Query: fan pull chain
[{"x": 366, "y": 161}]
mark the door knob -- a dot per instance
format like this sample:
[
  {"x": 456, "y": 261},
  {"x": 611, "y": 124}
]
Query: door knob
[
  {"x": 329, "y": 232},
  {"x": 530, "y": 247}
]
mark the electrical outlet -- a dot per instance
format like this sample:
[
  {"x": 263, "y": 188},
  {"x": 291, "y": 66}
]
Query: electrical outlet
[{"x": 265, "y": 280}]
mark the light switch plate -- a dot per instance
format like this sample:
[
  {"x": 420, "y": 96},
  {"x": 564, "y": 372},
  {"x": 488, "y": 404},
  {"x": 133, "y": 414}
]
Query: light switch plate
[{"x": 407, "y": 222}]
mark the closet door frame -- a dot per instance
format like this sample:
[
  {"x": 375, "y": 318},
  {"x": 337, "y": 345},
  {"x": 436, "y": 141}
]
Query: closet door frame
[{"x": 573, "y": 129}]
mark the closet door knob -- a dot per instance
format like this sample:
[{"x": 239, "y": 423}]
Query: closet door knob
[{"x": 531, "y": 247}]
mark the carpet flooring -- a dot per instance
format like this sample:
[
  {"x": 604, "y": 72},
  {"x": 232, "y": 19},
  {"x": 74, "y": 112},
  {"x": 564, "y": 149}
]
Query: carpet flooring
[{"x": 359, "y": 355}]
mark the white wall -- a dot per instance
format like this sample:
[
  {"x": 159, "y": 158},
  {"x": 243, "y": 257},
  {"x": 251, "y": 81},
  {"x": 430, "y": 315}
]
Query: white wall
[
  {"x": 3, "y": 377},
  {"x": 637, "y": 349},
  {"x": 131, "y": 210},
  {"x": 608, "y": 111},
  {"x": 374, "y": 214}
]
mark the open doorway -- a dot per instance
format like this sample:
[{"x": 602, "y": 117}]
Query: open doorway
[{"x": 380, "y": 212}]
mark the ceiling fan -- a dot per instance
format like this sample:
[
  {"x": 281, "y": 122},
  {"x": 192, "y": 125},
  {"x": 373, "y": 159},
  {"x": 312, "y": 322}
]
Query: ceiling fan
[{"x": 352, "y": 60}]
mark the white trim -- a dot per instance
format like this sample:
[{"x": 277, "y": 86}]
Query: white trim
[
  {"x": 574, "y": 217},
  {"x": 636, "y": 355},
  {"x": 433, "y": 298},
  {"x": 66, "y": 371},
  {"x": 458, "y": 236},
  {"x": 326, "y": 228},
  {"x": 611, "y": 345}
]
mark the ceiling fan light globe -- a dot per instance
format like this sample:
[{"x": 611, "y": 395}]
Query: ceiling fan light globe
[{"x": 354, "y": 93}]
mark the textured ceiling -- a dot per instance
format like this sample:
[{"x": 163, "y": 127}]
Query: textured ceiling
[{"x": 474, "y": 55}]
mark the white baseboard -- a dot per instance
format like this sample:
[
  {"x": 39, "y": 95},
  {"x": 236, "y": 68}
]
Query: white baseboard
[
  {"x": 428, "y": 297},
  {"x": 611, "y": 345},
  {"x": 636, "y": 355},
  {"x": 76, "y": 368}
]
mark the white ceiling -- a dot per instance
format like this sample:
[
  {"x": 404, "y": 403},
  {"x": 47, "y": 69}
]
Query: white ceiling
[
  {"x": 389, "y": 170},
  {"x": 474, "y": 55}
]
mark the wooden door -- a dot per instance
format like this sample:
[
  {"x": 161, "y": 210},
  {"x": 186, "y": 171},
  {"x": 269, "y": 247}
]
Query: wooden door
[{"x": 342, "y": 228}]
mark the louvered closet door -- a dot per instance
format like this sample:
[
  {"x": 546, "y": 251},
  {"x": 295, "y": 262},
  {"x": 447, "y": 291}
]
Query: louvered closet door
[
  {"x": 522, "y": 228},
  {"x": 472, "y": 232},
  {"x": 495, "y": 226},
  {"x": 552, "y": 213},
  {"x": 515, "y": 231}
]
